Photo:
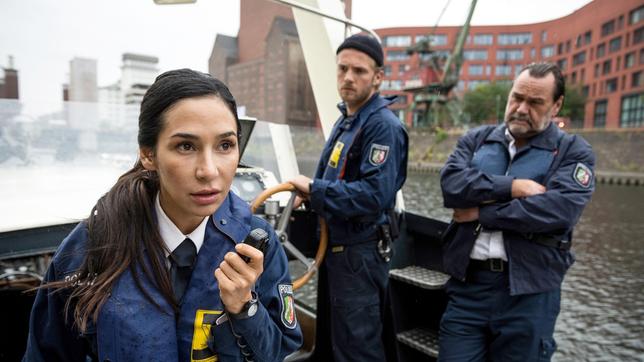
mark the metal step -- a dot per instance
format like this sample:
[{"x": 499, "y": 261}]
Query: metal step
[
  {"x": 420, "y": 339},
  {"x": 419, "y": 276}
]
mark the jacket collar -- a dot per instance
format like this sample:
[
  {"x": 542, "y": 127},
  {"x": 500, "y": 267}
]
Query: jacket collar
[
  {"x": 547, "y": 139},
  {"x": 233, "y": 218},
  {"x": 374, "y": 103}
]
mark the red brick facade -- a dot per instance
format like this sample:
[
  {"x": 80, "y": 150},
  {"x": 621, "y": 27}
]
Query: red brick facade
[
  {"x": 9, "y": 84},
  {"x": 264, "y": 65},
  {"x": 600, "y": 47}
]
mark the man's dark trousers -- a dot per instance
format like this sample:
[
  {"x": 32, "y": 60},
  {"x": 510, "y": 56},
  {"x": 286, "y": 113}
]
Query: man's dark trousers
[
  {"x": 357, "y": 278},
  {"x": 482, "y": 322}
]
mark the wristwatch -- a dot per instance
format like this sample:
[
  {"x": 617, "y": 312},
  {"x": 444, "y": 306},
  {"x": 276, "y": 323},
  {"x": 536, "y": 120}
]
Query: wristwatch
[
  {"x": 310, "y": 186},
  {"x": 249, "y": 309}
]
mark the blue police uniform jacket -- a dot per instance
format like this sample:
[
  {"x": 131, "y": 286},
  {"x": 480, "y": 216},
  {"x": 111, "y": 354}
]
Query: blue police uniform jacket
[
  {"x": 479, "y": 173},
  {"x": 130, "y": 328},
  {"x": 362, "y": 166}
]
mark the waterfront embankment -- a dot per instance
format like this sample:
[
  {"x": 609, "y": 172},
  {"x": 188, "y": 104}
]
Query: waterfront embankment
[{"x": 619, "y": 153}]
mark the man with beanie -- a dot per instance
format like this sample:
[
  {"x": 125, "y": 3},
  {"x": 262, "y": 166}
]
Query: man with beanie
[{"x": 362, "y": 166}]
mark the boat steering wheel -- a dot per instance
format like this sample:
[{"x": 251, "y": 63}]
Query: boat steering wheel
[{"x": 280, "y": 230}]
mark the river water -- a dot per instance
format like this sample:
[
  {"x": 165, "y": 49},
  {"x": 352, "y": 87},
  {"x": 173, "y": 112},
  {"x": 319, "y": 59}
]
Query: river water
[{"x": 602, "y": 309}]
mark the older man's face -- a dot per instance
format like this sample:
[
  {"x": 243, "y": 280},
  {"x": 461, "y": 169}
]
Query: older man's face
[{"x": 530, "y": 106}]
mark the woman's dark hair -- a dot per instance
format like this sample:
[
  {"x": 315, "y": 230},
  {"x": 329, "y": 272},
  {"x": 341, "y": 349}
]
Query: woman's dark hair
[{"x": 123, "y": 233}]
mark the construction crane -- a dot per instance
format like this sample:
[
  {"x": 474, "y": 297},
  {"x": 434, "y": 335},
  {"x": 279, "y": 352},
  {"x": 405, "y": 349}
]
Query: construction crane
[{"x": 435, "y": 100}]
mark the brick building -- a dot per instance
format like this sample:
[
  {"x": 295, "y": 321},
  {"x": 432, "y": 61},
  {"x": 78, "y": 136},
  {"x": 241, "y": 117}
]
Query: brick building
[
  {"x": 264, "y": 65},
  {"x": 9, "y": 81},
  {"x": 600, "y": 47}
]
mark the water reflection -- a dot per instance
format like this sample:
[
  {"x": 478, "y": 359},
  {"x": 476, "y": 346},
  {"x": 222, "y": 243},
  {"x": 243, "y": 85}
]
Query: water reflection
[{"x": 602, "y": 303}]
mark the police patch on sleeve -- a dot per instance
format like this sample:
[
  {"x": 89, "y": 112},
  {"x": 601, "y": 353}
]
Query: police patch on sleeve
[
  {"x": 287, "y": 314},
  {"x": 378, "y": 154},
  {"x": 582, "y": 175}
]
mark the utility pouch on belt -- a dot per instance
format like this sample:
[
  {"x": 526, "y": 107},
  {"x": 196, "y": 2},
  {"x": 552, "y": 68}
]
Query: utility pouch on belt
[
  {"x": 384, "y": 242},
  {"x": 394, "y": 223}
]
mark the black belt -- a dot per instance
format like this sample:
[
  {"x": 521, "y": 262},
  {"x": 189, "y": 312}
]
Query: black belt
[
  {"x": 549, "y": 241},
  {"x": 495, "y": 265}
]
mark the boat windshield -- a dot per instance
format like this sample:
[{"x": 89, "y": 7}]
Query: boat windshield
[{"x": 54, "y": 167}]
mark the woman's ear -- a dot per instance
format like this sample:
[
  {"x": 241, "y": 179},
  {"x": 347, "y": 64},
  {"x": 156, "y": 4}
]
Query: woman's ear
[{"x": 147, "y": 159}]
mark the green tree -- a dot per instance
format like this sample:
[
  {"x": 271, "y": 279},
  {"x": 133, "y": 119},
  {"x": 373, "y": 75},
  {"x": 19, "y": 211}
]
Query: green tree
[
  {"x": 486, "y": 102},
  {"x": 574, "y": 103}
]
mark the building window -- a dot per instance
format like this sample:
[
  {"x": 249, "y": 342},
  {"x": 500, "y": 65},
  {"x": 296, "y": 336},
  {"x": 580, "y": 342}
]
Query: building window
[
  {"x": 611, "y": 85},
  {"x": 391, "y": 85},
  {"x": 560, "y": 48},
  {"x": 636, "y": 15},
  {"x": 544, "y": 36},
  {"x": 600, "y": 114},
  {"x": 579, "y": 58},
  {"x": 403, "y": 68},
  {"x": 632, "y": 112},
  {"x": 533, "y": 52},
  {"x": 473, "y": 84},
  {"x": 436, "y": 39},
  {"x": 601, "y": 50},
  {"x": 514, "y": 38},
  {"x": 547, "y": 52},
  {"x": 606, "y": 67},
  {"x": 585, "y": 90},
  {"x": 483, "y": 39},
  {"x": 510, "y": 54},
  {"x": 397, "y": 41},
  {"x": 615, "y": 44},
  {"x": 475, "y": 69},
  {"x": 608, "y": 28},
  {"x": 636, "y": 79},
  {"x": 588, "y": 36},
  {"x": 517, "y": 69},
  {"x": 438, "y": 54},
  {"x": 503, "y": 70},
  {"x": 562, "y": 64},
  {"x": 638, "y": 35},
  {"x": 475, "y": 55},
  {"x": 397, "y": 55},
  {"x": 387, "y": 70},
  {"x": 629, "y": 60}
]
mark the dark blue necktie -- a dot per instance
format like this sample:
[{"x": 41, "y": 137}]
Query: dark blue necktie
[{"x": 182, "y": 261}]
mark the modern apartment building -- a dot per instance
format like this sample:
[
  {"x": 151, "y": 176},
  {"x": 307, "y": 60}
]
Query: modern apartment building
[{"x": 600, "y": 48}]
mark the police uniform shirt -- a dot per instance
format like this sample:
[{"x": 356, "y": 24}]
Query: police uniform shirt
[
  {"x": 171, "y": 234},
  {"x": 489, "y": 244}
]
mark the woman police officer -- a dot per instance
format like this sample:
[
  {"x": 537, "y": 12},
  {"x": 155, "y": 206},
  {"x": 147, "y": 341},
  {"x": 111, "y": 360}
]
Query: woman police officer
[{"x": 135, "y": 280}]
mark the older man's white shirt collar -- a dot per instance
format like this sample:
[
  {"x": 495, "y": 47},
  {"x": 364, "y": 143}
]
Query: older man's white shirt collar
[{"x": 171, "y": 234}]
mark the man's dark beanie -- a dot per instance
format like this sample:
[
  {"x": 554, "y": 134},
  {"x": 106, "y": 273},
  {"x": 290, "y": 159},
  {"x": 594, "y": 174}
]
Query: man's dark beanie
[{"x": 365, "y": 44}]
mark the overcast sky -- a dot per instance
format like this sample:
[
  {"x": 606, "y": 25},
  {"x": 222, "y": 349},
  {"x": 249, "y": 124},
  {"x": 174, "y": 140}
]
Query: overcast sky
[{"x": 44, "y": 35}]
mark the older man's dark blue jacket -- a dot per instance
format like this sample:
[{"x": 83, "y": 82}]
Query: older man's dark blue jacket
[
  {"x": 362, "y": 166},
  {"x": 479, "y": 173}
]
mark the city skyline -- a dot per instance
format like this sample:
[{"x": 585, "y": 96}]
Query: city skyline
[{"x": 182, "y": 35}]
